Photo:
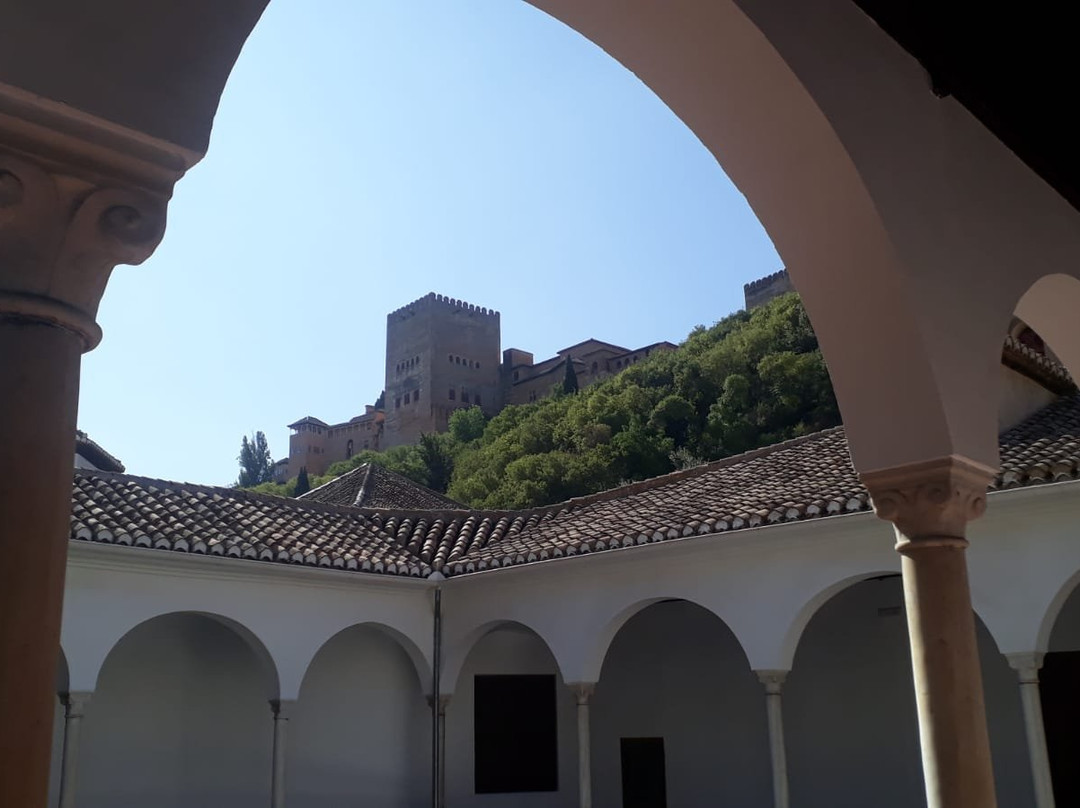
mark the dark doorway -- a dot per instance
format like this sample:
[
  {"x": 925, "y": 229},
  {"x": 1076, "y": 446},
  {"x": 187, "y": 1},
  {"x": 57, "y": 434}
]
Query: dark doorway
[
  {"x": 644, "y": 784},
  {"x": 516, "y": 734},
  {"x": 1061, "y": 715}
]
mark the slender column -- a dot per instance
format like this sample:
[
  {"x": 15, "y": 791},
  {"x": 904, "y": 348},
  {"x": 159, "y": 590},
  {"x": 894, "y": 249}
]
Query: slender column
[
  {"x": 930, "y": 505},
  {"x": 583, "y": 692},
  {"x": 74, "y": 709},
  {"x": 444, "y": 702},
  {"x": 1027, "y": 668},
  {"x": 77, "y": 197},
  {"x": 281, "y": 709},
  {"x": 774, "y": 681}
]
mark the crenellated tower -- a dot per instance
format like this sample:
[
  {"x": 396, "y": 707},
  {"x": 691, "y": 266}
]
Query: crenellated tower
[{"x": 441, "y": 354}]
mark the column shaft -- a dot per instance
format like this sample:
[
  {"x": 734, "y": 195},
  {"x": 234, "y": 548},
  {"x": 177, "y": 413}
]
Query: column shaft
[
  {"x": 1027, "y": 668},
  {"x": 773, "y": 681},
  {"x": 39, "y": 394},
  {"x": 444, "y": 702},
  {"x": 948, "y": 678},
  {"x": 583, "y": 692},
  {"x": 277, "y": 773},
  {"x": 74, "y": 707}
]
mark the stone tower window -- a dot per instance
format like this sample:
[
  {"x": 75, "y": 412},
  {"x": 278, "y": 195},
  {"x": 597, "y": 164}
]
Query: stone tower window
[
  {"x": 478, "y": 366},
  {"x": 594, "y": 367},
  {"x": 450, "y": 358},
  {"x": 476, "y": 399},
  {"x": 464, "y": 397},
  {"x": 348, "y": 449},
  {"x": 397, "y": 403},
  {"x": 407, "y": 398},
  {"x": 452, "y": 394},
  {"x": 515, "y": 375}
]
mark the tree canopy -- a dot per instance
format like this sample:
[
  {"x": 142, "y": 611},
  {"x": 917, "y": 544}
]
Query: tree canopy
[
  {"x": 256, "y": 464},
  {"x": 752, "y": 379}
]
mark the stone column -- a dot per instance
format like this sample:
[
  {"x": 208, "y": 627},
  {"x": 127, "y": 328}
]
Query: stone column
[
  {"x": 74, "y": 708},
  {"x": 583, "y": 692},
  {"x": 930, "y": 505},
  {"x": 1027, "y": 668},
  {"x": 77, "y": 196},
  {"x": 773, "y": 681},
  {"x": 281, "y": 709}
]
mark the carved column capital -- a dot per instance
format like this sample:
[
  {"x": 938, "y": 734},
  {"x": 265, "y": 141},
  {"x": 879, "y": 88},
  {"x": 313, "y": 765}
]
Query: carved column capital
[
  {"x": 582, "y": 691},
  {"x": 75, "y": 703},
  {"x": 931, "y": 501},
  {"x": 1027, "y": 666},
  {"x": 282, "y": 708},
  {"x": 773, "y": 680},
  {"x": 78, "y": 195}
]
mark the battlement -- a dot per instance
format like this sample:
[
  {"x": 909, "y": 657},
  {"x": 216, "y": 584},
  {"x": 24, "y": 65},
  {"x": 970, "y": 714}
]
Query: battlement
[
  {"x": 765, "y": 289},
  {"x": 434, "y": 301}
]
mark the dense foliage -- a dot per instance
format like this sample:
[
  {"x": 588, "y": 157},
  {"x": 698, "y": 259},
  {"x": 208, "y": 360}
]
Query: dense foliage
[
  {"x": 750, "y": 380},
  {"x": 256, "y": 464}
]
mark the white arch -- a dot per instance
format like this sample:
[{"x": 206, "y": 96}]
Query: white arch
[
  {"x": 86, "y": 659},
  {"x": 458, "y": 652},
  {"x": 416, "y": 656},
  {"x": 1049, "y": 306},
  {"x": 811, "y": 607},
  {"x": 1053, "y": 611},
  {"x": 600, "y": 644}
]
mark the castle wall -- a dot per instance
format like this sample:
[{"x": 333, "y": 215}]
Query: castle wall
[{"x": 759, "y": 292}]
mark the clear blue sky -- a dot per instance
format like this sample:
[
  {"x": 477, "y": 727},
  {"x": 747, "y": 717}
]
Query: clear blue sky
[{"x": 367, "y": 153}]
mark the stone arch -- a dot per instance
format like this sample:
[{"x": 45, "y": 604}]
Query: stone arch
[
  {"x": 600, "y": 644},
  {"x": 812, "y": 606},
  {"x": 1053, "y": 612},
  {"x": 750, "y": 83},
  {"x": 416, "y": 656},
  {"x": 1049, "y": 306},
  {"x": 267, "y": 666},
  {"x": 459, "y": 653}
]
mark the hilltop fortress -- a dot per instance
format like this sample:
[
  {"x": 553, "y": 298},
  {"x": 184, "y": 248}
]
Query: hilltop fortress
[{"x": 443, "y": 354}]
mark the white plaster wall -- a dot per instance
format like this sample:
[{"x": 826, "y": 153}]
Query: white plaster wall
[
  {"x": 179, "y": 719},
  {"x": 676, "y": 671},
  {"x": 507, "y": 650},
  {"x": 360, "y": 733},
  {"x": 1019, "y": 398},
  {"x": 849, "y": 709}
]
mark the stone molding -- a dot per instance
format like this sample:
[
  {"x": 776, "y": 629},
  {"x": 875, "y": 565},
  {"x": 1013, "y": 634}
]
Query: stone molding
[
  {"x": 583, "y": 691},
  {"x": 75, "y": 703},
  {"x": 931, "y": 501},
  {"x": 78, "y": 195},
  {"x": 282, "y": 708}
]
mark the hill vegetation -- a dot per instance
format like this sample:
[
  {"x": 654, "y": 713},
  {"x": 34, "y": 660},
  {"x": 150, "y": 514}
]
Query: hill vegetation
[{"x": 750, "y": 380}]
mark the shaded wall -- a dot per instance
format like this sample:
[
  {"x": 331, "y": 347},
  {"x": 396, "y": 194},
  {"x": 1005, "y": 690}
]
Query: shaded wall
[{"x": 360, "y": 734}]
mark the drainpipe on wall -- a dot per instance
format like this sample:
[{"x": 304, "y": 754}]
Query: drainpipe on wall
[{"x": 437, "y": 719}]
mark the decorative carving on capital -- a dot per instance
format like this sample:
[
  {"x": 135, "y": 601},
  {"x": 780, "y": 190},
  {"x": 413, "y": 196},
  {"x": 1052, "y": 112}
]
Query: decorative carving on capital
[
  {"x": 61, "y": 236},
  {"x": 933, "y": 500},
  {"x": 1027, "y": 666}
]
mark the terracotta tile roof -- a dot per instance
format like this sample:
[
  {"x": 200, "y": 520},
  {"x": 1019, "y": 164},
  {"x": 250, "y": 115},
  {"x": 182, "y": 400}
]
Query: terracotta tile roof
[
  {"x": 139, "y": 512},
  {"x": 1039, "y": 367},
  {"x": 805, "y": 478},
  {"x": 374, "y": 486}
]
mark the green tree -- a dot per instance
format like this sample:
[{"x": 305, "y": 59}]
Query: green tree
[
  {"x": 435, "y": 454},
  {"x": 467, "y": 425},
  {"x": 570, "y": 382},
  {"x": 303, "y": 484},
  {"x": 256, "y": 464}
]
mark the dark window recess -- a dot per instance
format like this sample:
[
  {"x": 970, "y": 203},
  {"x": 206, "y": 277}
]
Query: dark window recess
[
  {"x": 644, "y": 783},
  {"x": 476, "y": 398},
  {"x": 464, "y": 397},
  {"x": 452, "y": 395},
  {"x": 515, "y": 732},
  {"x": 408, "y": 397},
  {"x": 1061, "y": 711},
  {"x": 397, "y": 402}
]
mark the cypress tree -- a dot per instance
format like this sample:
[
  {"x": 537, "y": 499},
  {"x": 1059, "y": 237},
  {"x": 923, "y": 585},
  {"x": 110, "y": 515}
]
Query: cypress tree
[
  {"x": 303, "y": 485},
  {"x": 569, "y": 382}
]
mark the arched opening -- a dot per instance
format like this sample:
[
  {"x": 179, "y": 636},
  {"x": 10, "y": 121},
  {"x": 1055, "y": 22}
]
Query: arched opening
[
  {"x": 849, "y": 707},
  {"x": 676, "y": 701},
  {"x": 1061, "y": 701},
  {"x": 179, "y": 718},
  {"x": 1049, "y": 307},
  {"x": 510, "y": 658},
  {"x": 360, "y": 732},
  {"x": 57, "y": 757}
]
